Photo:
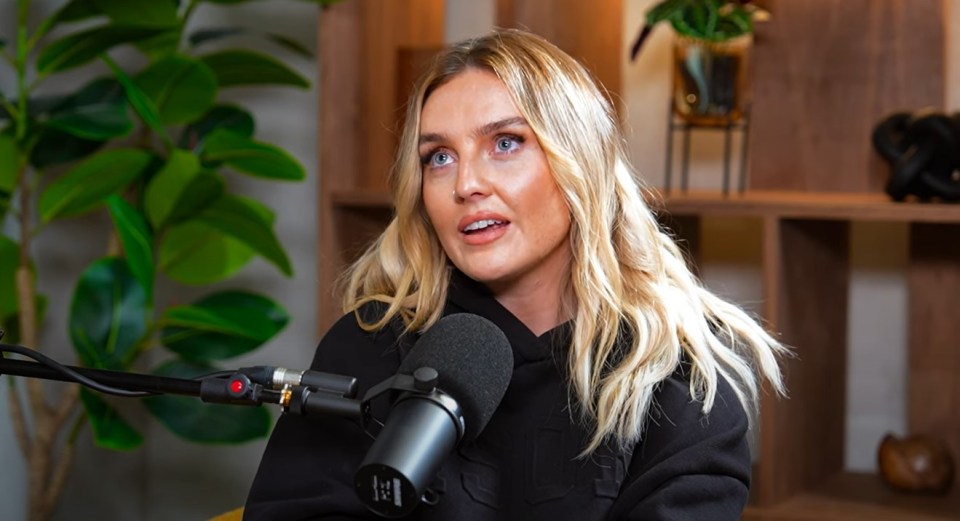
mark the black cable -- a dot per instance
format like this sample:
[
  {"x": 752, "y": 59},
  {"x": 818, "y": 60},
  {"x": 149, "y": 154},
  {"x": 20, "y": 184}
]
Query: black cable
[
  {"x": 217, "y": 374},
  {"x": 70, "y": 373}
]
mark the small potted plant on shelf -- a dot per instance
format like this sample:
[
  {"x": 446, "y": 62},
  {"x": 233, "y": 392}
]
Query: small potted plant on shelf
[{"x": 710, "y": 55}]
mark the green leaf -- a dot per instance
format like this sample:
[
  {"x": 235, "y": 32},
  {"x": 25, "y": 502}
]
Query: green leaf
[
  {"x": 76, "y": 10},
  {"x": 223, "y": 325},
  {"x": 226, "y": 117},
  {"x": 197, "y": 254},
  {"x": 137, "y": 241},
  {"x": 100, "y": 90},
  {"x": 140, "y": 13},
  {"x": 110, "y": 430},
  {"x": 9, "y": 169},
  {"x": 86, "y": 185},
  {"x": 140, "y": 102},
  {"x": 181, "y": 88},
  {"x": 9, "y": 260},
  {"x": 96, "y": 112},
  {"x": 250, "y": 157},
  {"x": 9, "y": 162},
  {"x": 180, "y": 189},
  {"x": 55, "y": 147},
  {"x": 242, "y": 67},
  {"x": 108, "y": 315},
  {"x": 79, "y": 48},
  {"x": 736, "y": 23},
  {"x": 201, "y": 422},
  {"x": 96, "y": 122},
  {"x": 201, "y": 36},
  {"x": 291, "y": 45},
  {"x": 664, "y": 10},
  {"x": 159, "y": 46},
  {"x": 238, "y": 218}
]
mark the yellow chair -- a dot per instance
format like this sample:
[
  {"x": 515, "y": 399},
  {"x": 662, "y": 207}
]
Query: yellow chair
[{"x": 233, "y": 515}]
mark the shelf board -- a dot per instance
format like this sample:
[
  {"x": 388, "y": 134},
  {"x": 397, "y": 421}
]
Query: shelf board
[
  {"x": 852, "y": 496},
  {"x": 809, "y": 205},
  {"x": 754, "y": 203}
]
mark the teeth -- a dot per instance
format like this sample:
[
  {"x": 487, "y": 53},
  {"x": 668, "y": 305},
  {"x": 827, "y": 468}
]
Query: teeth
[{"x": 479, "y": 225}]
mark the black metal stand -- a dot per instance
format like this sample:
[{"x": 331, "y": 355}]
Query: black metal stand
[
  {"x": 675, "y": 123},
  {"x": 300, "y": 392},
  {"x": 297, "y": 392}
]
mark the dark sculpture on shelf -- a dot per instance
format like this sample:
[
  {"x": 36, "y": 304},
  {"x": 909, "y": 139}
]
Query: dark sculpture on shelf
[
  {"x": 923, "y": 150},
  {"x": 915, "y": 463}
]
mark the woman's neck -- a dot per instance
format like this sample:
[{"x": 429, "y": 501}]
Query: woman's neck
[{"x": 539, "y": 304}]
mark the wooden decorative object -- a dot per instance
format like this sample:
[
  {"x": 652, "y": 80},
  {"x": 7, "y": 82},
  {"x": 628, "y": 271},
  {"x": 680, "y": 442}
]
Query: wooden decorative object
[{"x": 915, "y": 464}]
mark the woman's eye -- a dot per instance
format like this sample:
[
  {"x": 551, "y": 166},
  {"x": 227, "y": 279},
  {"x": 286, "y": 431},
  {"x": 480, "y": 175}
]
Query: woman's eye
[
  {"x": 508, "y": 143},
  {"x": 436, "y": 159}
]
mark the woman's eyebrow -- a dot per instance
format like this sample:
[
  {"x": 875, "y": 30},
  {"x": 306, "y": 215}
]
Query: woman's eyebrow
[
  {"x": 483, "y": 130},
  {"x": 495, "y": 126}
]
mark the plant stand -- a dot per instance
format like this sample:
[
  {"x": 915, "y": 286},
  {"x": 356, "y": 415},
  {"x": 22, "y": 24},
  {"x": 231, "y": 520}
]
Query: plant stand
[{"x": 675, "y": 123}]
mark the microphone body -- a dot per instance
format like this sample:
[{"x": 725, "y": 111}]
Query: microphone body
[
  {"x": 396, "y": 473},
  {"x": 473, "y": 361}
]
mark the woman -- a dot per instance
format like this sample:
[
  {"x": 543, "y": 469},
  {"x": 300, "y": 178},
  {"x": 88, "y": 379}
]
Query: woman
[{"x": 514, "y": 201}]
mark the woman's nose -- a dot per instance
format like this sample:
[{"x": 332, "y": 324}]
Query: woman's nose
[{"x": 472, "y": 179}]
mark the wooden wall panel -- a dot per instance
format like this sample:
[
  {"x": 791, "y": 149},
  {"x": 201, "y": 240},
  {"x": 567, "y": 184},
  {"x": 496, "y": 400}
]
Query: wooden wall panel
[
  {"x": 389, "y": 26},
  {"x": 359, "y": 44},
  {"x": 824, "y": 73},
  {"x": 588, "y": 31},
  {"x": 933, "y": 279},
  {"x": 806, "y": 276}
]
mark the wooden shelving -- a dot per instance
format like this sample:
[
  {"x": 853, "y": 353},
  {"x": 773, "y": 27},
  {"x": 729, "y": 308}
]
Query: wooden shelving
[
  {"x": 858, "y": 497},
  {"x": 812, "y": 175},
  {"x": 810, "y": 205}
]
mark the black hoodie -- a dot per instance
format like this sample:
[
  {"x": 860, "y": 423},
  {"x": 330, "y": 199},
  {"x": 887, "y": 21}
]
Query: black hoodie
[{"x": 524, "y": 465}]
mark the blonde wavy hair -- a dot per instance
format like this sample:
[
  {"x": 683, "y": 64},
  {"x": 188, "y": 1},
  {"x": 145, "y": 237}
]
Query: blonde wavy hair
[{"x": 637, "y": 307}]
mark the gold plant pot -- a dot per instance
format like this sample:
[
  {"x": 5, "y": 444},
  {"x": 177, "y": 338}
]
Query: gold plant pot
[{"x": 710, "y": 80}]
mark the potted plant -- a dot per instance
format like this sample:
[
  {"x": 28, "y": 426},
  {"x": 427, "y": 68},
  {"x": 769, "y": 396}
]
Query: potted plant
[
  {"x": 711, "y": 55},
  {"x": 153, "y": 147}
]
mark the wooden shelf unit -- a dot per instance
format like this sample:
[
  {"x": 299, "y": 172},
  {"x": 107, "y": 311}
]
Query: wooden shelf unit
[
  {"x": 805, "y": 272},
  {"x": 805, "y": 205},
  {"x": 858, "y": 497}
]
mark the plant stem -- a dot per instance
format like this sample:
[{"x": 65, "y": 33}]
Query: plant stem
[
  {"x": 18, "y": 417},
  {"x": 20, "y": 68},
  {"x": 47, "y": 472}
]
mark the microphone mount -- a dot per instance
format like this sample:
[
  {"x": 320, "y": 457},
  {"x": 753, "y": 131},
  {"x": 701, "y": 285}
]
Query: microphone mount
[{"x": 296, "y": 392}]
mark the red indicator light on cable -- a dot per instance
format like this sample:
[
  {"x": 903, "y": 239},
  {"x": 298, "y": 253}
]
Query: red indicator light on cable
[{"x": 237, "y": 386}]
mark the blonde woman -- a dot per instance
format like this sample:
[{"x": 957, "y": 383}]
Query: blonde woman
[{"x": 632, "y": 383}]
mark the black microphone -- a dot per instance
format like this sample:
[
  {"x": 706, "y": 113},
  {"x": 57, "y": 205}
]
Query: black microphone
[{"x": 474, "y": 362}]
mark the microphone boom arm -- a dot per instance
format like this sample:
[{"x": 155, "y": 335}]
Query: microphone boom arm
[
  {"x": 301, "y": 393},
  {"x": 317, "y": 393}
]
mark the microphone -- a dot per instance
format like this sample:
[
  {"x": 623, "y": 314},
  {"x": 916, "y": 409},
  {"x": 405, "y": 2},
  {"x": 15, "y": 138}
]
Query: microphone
[
  {"x": 277, "y": 378},
  {"x": 473, "y": 361}
]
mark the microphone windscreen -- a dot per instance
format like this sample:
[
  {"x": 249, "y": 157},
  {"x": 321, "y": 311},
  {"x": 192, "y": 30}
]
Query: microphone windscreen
[{"x": 475, "y": 363}]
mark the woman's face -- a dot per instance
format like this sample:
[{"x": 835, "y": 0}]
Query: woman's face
[{"x": 488, "y": 189}]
